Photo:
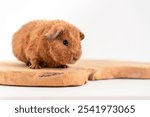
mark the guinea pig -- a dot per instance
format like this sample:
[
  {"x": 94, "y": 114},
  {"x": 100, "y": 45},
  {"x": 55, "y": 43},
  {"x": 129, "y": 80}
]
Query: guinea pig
[{"x": 47, "y": 43}]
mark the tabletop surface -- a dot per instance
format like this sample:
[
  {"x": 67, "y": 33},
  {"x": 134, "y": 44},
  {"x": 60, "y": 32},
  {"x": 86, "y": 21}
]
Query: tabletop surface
[{"x": 102, "y": 89}]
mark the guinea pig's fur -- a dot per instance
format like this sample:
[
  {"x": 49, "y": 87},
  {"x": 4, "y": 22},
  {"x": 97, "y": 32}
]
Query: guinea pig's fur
[{"x": 44, "y": 43}]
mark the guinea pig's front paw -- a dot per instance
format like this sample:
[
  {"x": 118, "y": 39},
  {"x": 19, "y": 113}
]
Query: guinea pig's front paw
[
  {"x": 35, "y": 66},
  {"x": 63, "y": 66}
]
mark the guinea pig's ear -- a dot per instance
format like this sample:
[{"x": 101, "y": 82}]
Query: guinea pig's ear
[
  {"x": 54, "y": 32},
  {"x": 81, "y": 36}
]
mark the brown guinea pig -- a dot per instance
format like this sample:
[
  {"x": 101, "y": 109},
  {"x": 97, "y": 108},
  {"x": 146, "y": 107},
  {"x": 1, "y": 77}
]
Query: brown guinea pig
[{"x": 43, "y": 43}]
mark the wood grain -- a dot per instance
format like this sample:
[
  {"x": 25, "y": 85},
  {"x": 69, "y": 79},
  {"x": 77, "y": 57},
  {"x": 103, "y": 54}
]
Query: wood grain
[{"x": 16, "y": 73}]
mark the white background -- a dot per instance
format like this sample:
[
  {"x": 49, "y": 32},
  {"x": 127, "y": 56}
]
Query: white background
[{"x": 114, "y": 29}]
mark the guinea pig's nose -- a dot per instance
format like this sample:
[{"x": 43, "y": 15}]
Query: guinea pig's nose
[{"x": 75, "y": 58}]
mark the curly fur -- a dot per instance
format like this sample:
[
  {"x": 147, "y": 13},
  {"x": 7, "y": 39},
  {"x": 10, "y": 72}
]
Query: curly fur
[{"x": 40, "y": 43}]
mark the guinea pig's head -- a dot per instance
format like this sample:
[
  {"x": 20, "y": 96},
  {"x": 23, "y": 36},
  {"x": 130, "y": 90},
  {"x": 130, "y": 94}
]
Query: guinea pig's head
[{"x": 64, "y": 41}]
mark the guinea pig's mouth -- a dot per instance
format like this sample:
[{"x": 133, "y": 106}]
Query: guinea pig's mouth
[{"x": 73, "y": 60}]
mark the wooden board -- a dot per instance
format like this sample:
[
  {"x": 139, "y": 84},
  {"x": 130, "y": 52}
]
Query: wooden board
[
  {"x": 16, "y": 73},
  {"x": 107, "y": 69}
]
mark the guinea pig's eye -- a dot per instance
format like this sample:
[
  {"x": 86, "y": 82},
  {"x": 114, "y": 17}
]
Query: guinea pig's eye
[{"x": 65, "y": 42}]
